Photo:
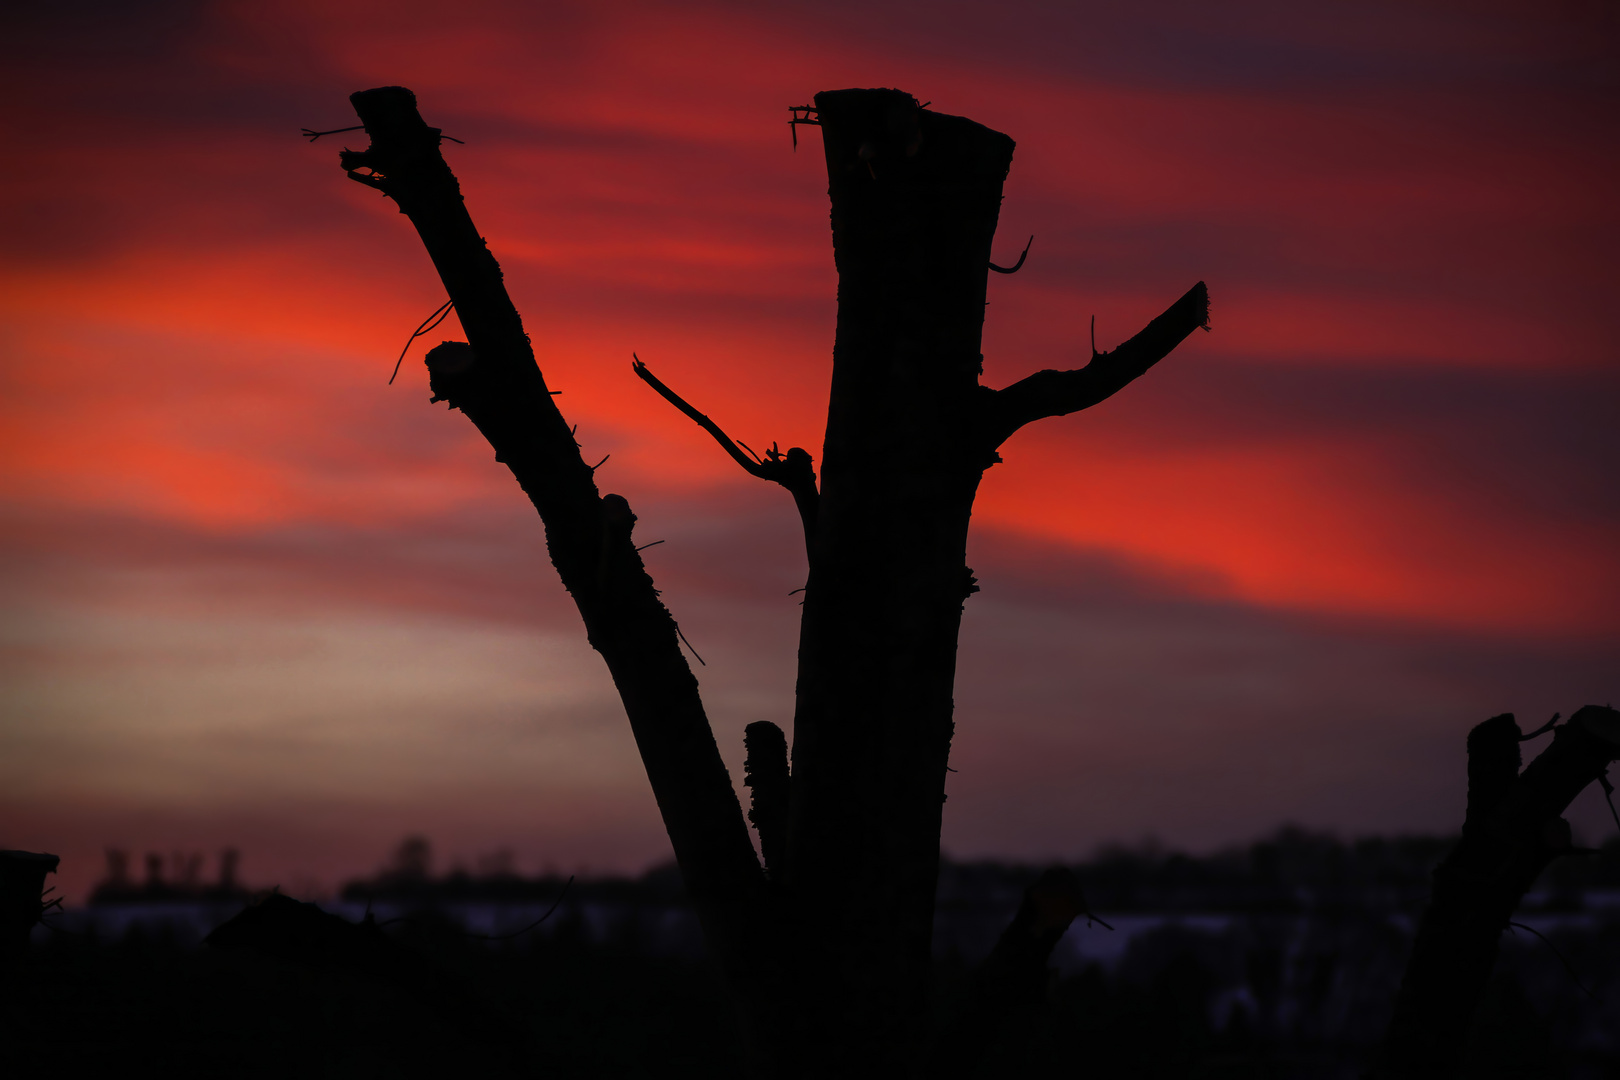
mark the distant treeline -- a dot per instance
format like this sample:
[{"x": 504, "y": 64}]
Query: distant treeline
[{"x": 1293, "y": 870}]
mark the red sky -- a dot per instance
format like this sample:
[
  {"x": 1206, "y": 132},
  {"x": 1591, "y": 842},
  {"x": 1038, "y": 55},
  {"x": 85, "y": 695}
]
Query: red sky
[{"x": 255, "y": 595}]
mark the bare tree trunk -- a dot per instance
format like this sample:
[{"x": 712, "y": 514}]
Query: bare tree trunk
[
  {"x": 915, "y": 197},
  {"x": 910, "y": 430},
  {"x": 1512, "y": 830}
]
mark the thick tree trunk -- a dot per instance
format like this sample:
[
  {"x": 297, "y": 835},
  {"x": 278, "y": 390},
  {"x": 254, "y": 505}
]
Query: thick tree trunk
[
  {"x": 910, "y": 431},
  {"x": 1511, "y": 831},
  {"x": 915, "y": 197}
]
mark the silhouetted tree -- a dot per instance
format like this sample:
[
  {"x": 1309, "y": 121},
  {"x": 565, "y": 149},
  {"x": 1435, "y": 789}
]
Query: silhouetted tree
[
  {"x": 827, "y": 946},
  {"x": 1512, "y": 830}
]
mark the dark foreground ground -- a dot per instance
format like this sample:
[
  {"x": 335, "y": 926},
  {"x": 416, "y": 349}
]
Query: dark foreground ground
[{"x": 1276, "y": 962}]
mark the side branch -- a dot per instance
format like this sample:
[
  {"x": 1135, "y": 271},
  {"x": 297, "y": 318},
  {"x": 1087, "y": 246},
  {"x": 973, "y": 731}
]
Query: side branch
[
  {"x": 793, "y": 470},
  {"x": 1058, "y": 393}
]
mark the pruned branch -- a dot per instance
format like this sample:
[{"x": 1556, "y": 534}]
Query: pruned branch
[
  {"x": 793, "y": 470},
  {"x": 1512, "y": 830},
  {"x": 1058, "y": 393}
]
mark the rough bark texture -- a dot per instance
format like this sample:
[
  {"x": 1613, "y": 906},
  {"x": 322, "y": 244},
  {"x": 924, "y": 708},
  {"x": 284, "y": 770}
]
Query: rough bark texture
[
  {"x": 830, "y": 957},
  {"x": 1512, "y": 830}
]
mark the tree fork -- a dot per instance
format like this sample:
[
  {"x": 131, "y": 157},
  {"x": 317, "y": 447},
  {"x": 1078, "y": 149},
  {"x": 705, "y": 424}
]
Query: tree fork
[
  {"x": 854, "y": 855},
  {"x": 494, "y": 380}
]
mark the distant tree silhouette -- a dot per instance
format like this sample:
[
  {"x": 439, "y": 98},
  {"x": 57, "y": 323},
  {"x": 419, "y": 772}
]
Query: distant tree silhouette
[{"x": 826, "y": 946}]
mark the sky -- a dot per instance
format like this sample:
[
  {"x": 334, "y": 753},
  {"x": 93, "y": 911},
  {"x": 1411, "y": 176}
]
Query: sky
[{"x": 256, "y": 596}]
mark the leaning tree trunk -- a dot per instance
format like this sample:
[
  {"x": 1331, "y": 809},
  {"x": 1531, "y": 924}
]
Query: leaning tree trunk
[
  {"x": 494, "y": 380},
  {"x": 828, "y": 955}
]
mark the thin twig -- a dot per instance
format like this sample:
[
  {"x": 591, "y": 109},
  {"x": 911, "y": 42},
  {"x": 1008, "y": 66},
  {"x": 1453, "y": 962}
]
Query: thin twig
[
  {"x": 531, "y": 926},
  {"x": 1576, "y": 979},
  {"x": 793, "y": 124},
  {"x": 484, "y": 937},
  {"x": 1013, "y": 269},
  {"x": 755, "y": 468},
  {"x": 688, "y": 644},
  {"x": 313, "y": 135},
  {"x": 429, "y": 323},
  {"x": 644, "y": 547}
]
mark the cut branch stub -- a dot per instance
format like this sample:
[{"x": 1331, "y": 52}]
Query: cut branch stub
[
  {"x": 1058, "y": 393},
  {"x": 766, "y": 767},
  {"x": 1493, "y": 767}
]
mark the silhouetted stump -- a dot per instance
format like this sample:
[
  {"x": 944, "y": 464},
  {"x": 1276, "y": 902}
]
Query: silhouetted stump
[{"x": 1512, "y": 830}]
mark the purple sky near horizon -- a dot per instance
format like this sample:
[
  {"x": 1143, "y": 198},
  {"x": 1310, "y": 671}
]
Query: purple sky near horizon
[{"x": 257, "y": 597}]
